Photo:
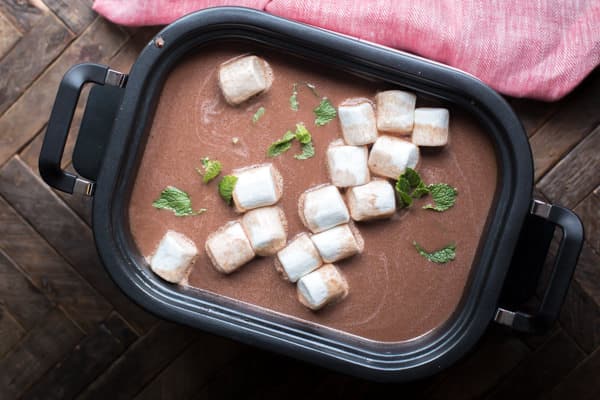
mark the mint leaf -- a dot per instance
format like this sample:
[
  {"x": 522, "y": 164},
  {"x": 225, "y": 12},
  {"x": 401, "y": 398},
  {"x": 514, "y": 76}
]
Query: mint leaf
[
  {"x": 444, "y": 197},
  {"x": 308, "y": 151},
  {"x": 325, "y": 112},
  {"x": 441, "y": 256},
  {"x": 176, "y": 200},
  {"x": 420, "y": 191},
  {"x": 212, "y": 168},
  {"x": 294, "y": 98},
  {"x": 226, "y": 186},
  {"x": 413, "y": 177},
  {"x": 282, "y": 145},
  {"x": 259, "y": 113},
  {"x": 302, "y": 134}
]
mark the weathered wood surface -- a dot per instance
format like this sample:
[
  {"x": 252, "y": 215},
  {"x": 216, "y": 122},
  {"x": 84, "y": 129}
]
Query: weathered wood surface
[{"x": 66, "y": 331}]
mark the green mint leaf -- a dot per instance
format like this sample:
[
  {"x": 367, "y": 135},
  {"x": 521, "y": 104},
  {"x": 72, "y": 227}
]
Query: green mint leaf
[
  {"x": 313, "y": 89},
  {"x": 404, "y": 200},
  {"x": 302, "y": 134},
  {"x": 175, "y": 200},
  {"x": 325, "y": 112},
  {"x": 259, "y": 113},
  {"x": 226, "y": 186},
  {"x": 294, "y": 98},
  {"x": 282, "y": 145},
  {"x": 403, "y": 188},
  {"x": 308, "y": 151},
  {"x": 441, "y": 256},
  {"x": 212, "y": 168},
  {"x": 420, "y": 191},
  {"x": 444, "y": 197}
]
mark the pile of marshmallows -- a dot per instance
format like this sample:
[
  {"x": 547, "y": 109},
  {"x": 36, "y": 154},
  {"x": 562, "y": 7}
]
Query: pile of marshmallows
[{"x": 262, "y": 230}]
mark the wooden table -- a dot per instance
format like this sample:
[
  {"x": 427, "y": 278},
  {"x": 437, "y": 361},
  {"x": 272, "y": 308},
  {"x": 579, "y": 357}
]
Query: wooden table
[{"x": 66, "y": 330}]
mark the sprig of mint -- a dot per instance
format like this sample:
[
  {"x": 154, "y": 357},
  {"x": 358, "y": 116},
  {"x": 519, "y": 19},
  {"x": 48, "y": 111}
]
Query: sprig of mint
[
  {"x": 308, "y": 151},
  {"x": 258, "y": 114},
  {"x": 444, "y": 197},
  {"x": 282, "y": 145},
  {"x": 226, "y": 186},
  {"x": 212, "y": 168},
  {"x": 441, "y": 256},
  {"x": 176, "y": 200},
  {"x": 410, "y": 186},
  {"x": 294, "y": 98},
  {"x": 325, "y": 112}
]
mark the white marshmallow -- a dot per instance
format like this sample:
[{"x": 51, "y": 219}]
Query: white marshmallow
[
  {"x": 243, "y": 77},
  {"x": 322, "y": 207},
  {"x": 321, "y": 287},
  {"x": 266, "y": 229},
  {"x": 338, "y": 243},
  {"x": 431, "y": 127},
  {"x": 347, "y": 164},
  {"x": 391, "y": 156},
  {"x": 374, "y": 200},
  {"x": 395, "y": 111},
  {"x": 298, "y": 258},
  {"x": 229, "y": 248},
  {"x": 357, "y": 118},
  {"x": 257, "y": 186},
  {"x": 173, "y": 257}
]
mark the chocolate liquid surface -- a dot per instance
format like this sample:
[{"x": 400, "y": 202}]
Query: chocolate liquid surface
[{"x": 395, "y": 294}]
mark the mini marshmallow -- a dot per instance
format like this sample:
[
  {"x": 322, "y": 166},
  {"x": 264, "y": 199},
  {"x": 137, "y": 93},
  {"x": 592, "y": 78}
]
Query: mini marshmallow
[
  {"x": 174, "y": 257},
  {"x": 243, "y": 77},
  {"x": 321, "y": 287},
  {"x": 322, "y": 207},
  {"x": 347, "y": 164},
  {"x": 391, "y": 156},
  {"x": 338, "y": 243},
  {"x": 431, "y": 127},
  {"x": 257, "y": 186},
  {"x": 266, "y": 229},
  {"x": 298, "y": 258},
  {"x": 374, "y": 200},
  {"x": 395, "y": 111},
  {"x": 357, "y": 118},
  {"x": 229, "y": 248}
]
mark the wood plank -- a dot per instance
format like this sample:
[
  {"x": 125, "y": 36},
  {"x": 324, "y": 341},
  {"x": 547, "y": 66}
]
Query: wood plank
[
  {"x": 141, "y": 362},
  {"x": 582, "y": 383},
  {"x": 76, "y": 14},
  {"x": 587, "y": 273},
  {"x": 25, "y": 301},
  {"x": 589, "y": 212},
  {"x": 576, "y": 175},
  {"x": 10, "y": 331},
  {"x": 67, "y": 234},
  {"x": 43, "y": 347},
  {"x": 577, "y": 116},
  {"x": 28, "y": 115},
  {"x": 580, "y": 318},
  {"x": 49, "y": 271},
  {"x": 23, "y": 14},
  {"x": 9, "y": 35},
  {"x": 192, "y": 369},
  {"x": 30, "y": 56},
  {"x": 533, "y": 113},
  {"x": 541, "y": 371},
  {"x": 85, "y": 362}
]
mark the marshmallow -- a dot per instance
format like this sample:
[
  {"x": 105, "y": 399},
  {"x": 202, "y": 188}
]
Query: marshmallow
[
  {"x": 391, "y": 156},
  {"x": 174, "y": 257},
  {"x": 229, "y": 248},
  {"x": 347, "y": 164},
  {"x": 431, "y": 127},
  {"x": 298, "y": 258},
  {"x": 257, "y": 186},
  {"x": 321, "y": 287},
  {"x": 376, "y": 199},
  {"x": 243, "y": 77},
  {"x": 266, "y": 229},
  {"x": 322, "y": 207},
  {"x": 395, "y": 111},
  {"x": 358, "y": 122},
  {"x": 338, "y": 243}
]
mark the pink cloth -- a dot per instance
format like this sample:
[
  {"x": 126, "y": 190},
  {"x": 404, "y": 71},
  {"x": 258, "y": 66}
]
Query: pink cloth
[{"x": 525, "y": 48}]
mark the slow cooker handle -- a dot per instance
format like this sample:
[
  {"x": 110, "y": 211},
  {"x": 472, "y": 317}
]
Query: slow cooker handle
[
  {"x": 562, "y": 271},
  {"x": 60, "y": 122}
]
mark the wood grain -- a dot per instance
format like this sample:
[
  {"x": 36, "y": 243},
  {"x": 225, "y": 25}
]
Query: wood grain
[
  {"x": 41, "y": 348},
  {"x": 49, "y": 271},
  {"x": 9, "y": 35},
  {"x": 85, "y": 362},
  {"x": 582, "y": 383},
  {"x": 30, "y": 56},
  {"x": 76, "y": 14},
  {"x": 67, "y": 234},
  {"x": 587, "y": 273},
  {"x": 532, "y": 113},
  {"x": 589, "y": 212},
  {"x": 10, "y": 331},
  {"x": 23, "y": 14},
  {"x": 580, "y": 318}
]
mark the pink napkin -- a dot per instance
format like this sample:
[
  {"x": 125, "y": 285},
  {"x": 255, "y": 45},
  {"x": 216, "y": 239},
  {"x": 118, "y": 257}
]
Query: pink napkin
[{"x": 525, "y": 48}]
